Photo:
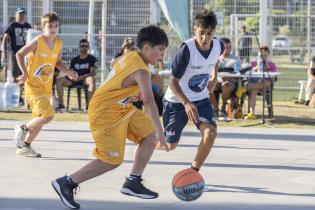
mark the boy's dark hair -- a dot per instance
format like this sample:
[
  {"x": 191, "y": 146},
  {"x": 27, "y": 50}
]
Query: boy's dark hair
[
  {"x": 83, "y": 41},
  {"x": 265, "y": 48},
  {"x": 49, "y": 18},
  {"x": 151, "y": 35},
  {"x": 206, "y": 19},
  {"x": 225, "y": 40},
  {"x": 313, "y": 59}
]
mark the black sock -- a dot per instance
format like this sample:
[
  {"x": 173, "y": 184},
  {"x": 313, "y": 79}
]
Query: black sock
[
  {"x": 134, "y": 177},
  {"x": 69, "y": 180},
  {"x": 26, "y": 144},
  {"x": 193, "y": 168},
  {"x": 23, "y": 127}
]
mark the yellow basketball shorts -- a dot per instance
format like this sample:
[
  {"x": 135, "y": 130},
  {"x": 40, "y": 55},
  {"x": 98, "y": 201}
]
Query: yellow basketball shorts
[
  {"x": 110, "y": 139},
  {"x": 40, "y": 106}
]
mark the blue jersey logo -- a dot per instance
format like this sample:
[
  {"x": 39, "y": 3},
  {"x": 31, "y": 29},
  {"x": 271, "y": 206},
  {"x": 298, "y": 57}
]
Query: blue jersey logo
[{"x": 198, "y": 82}]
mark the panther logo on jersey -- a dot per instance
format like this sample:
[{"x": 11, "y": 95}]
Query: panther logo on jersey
[
  {"x": 44, "y": 72},
  {"x": 198, "y": 82},
  {"x": 130, "y": 100}
]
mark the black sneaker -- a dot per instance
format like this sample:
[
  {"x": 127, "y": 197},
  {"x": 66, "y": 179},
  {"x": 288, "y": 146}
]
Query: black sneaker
[
  {"x": 223, "y": 113},
  {"x": 60, "y": 108},
  {"x": 65, "y": 192},
  {"x": 21, "y": 102},
  {"x": 136, "y": 188}
]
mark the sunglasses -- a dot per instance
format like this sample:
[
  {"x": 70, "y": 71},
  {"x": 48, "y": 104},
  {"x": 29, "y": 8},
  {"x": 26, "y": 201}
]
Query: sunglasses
[{"x": 84, "y": 46}]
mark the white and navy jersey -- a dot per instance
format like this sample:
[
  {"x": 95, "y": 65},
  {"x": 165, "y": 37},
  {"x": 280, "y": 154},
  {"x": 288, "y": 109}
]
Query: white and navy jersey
[{"x": 194, "y": 67}]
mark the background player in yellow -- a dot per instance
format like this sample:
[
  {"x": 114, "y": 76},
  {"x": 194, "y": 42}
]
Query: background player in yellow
[
  {"x": 44, "y": 54},
  {"x": 113, "y": 117}
]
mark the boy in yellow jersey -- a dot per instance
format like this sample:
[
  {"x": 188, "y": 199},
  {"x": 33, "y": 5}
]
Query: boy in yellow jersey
[
  {"x": 44, "y": 55},
  {"x": 113, "y": 118}
]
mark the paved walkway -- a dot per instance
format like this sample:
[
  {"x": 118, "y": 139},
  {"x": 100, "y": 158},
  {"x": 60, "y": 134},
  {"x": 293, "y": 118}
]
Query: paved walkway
[{"x": 248, "y": 169}]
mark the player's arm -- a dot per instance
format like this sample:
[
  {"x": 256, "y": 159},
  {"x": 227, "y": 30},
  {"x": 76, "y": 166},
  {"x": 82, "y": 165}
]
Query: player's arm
[
  {"x": 72, "y": 74},
  {"x": 113, "y": 62},
  {"x": 190, "y": 108},
  {"x": 20, "y": 58},
  {"x": 179, "y": 66},
  {"x": 143, "y": 79},
  {"x": 214, "y": 78}
]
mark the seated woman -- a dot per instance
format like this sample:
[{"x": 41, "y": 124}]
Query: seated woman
[
  {"x": 127, "y": 46},
  {"x": 255, "y": 85},
  {"x": 310, "y": 86}
]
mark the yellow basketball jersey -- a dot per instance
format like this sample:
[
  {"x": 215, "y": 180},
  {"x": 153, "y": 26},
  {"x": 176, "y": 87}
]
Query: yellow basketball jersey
[
  {"x": 41, "y": 67},
  {"x": 110, "y": 97}
]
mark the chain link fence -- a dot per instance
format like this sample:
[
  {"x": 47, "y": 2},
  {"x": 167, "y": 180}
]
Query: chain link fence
[{"x": 291, "y": 29}]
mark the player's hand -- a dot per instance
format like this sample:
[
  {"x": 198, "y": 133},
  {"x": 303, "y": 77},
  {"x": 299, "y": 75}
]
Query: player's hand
[
  {"x": 162, "y": 144},
  {"x": 192, "y": 112},
  {"x": 22, "y": 79},
  {"x": 73, "y": 75}
]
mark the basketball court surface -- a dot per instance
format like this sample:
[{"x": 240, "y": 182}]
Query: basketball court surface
[{"x": 248, "y": 169}]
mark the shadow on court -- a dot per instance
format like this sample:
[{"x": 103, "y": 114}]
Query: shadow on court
[
  {"x": 54, "y": 204},
  {"x": 256, "y": 190}
]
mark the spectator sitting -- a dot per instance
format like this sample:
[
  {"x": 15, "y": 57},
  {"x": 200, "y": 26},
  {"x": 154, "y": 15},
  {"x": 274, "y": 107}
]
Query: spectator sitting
[
  {"x": 255, "y": 85},
  {"x": 56, "y": 75},
  {"x": 84, "y": 65},
  {"x": 310, "y": 85},
  {"x": 228, "y": 86},
  {"x": 127, "y": 46}
]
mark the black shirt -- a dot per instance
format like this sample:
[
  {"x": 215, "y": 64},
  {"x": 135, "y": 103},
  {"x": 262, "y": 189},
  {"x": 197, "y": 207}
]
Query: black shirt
[
  {"x": 17, "y": 33},
  {"x": 82, "y": 66}
]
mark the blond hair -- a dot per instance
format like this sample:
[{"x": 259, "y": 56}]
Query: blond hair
[{"x": 49, "y": 18}]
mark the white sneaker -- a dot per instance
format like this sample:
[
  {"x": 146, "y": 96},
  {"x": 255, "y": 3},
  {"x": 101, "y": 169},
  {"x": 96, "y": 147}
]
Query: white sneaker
[
  {"x": 19, "y": 136},
  {"x": 28, "y": 152}
]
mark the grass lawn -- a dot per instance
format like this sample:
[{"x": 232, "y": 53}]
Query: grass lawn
[{"x": 287, "y": 115}]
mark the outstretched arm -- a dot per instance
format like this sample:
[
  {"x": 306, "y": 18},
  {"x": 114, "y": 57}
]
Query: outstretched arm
[
  {"x": 190, "y": 108},
  {"x": 143, "y": 79},
  {"x": 214, "y": 79},
  {"x": 72, "y": 74},
  {"x": 20, "y": 58}
]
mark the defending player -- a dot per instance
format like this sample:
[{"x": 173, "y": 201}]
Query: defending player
[{"x": 187, "y": 96}]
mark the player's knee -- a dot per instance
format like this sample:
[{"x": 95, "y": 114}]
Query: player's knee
[
  {"x": 113, "y": 166},
  {"x": 210, "y": 134},
  {"x": 48, "y": 119},
  {"x": 172, "y": 146},
  {"x": 151, "y": 139}
]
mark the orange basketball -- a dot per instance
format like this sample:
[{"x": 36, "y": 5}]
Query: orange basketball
[{"x": 188, "y": 185}]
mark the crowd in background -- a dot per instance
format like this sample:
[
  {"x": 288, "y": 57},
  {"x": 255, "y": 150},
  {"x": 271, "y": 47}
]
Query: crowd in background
[{"x": 13, "y": 38}]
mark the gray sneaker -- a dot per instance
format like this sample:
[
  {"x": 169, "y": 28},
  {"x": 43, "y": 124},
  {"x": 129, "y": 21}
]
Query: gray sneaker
[
  {"x": 19, "y": 136},
  {"x": 28, "y": 152}
]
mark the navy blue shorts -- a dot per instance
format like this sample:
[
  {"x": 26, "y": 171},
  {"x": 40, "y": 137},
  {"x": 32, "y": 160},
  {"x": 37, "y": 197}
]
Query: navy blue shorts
[{"x": 175, "y": 118}]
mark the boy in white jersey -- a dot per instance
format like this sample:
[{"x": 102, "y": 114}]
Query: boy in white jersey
[{"x": 194, "y": 75}]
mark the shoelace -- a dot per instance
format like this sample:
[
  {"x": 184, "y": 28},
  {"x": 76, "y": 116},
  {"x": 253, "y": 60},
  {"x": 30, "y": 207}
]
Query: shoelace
[{"x": 76, "y": 188}]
